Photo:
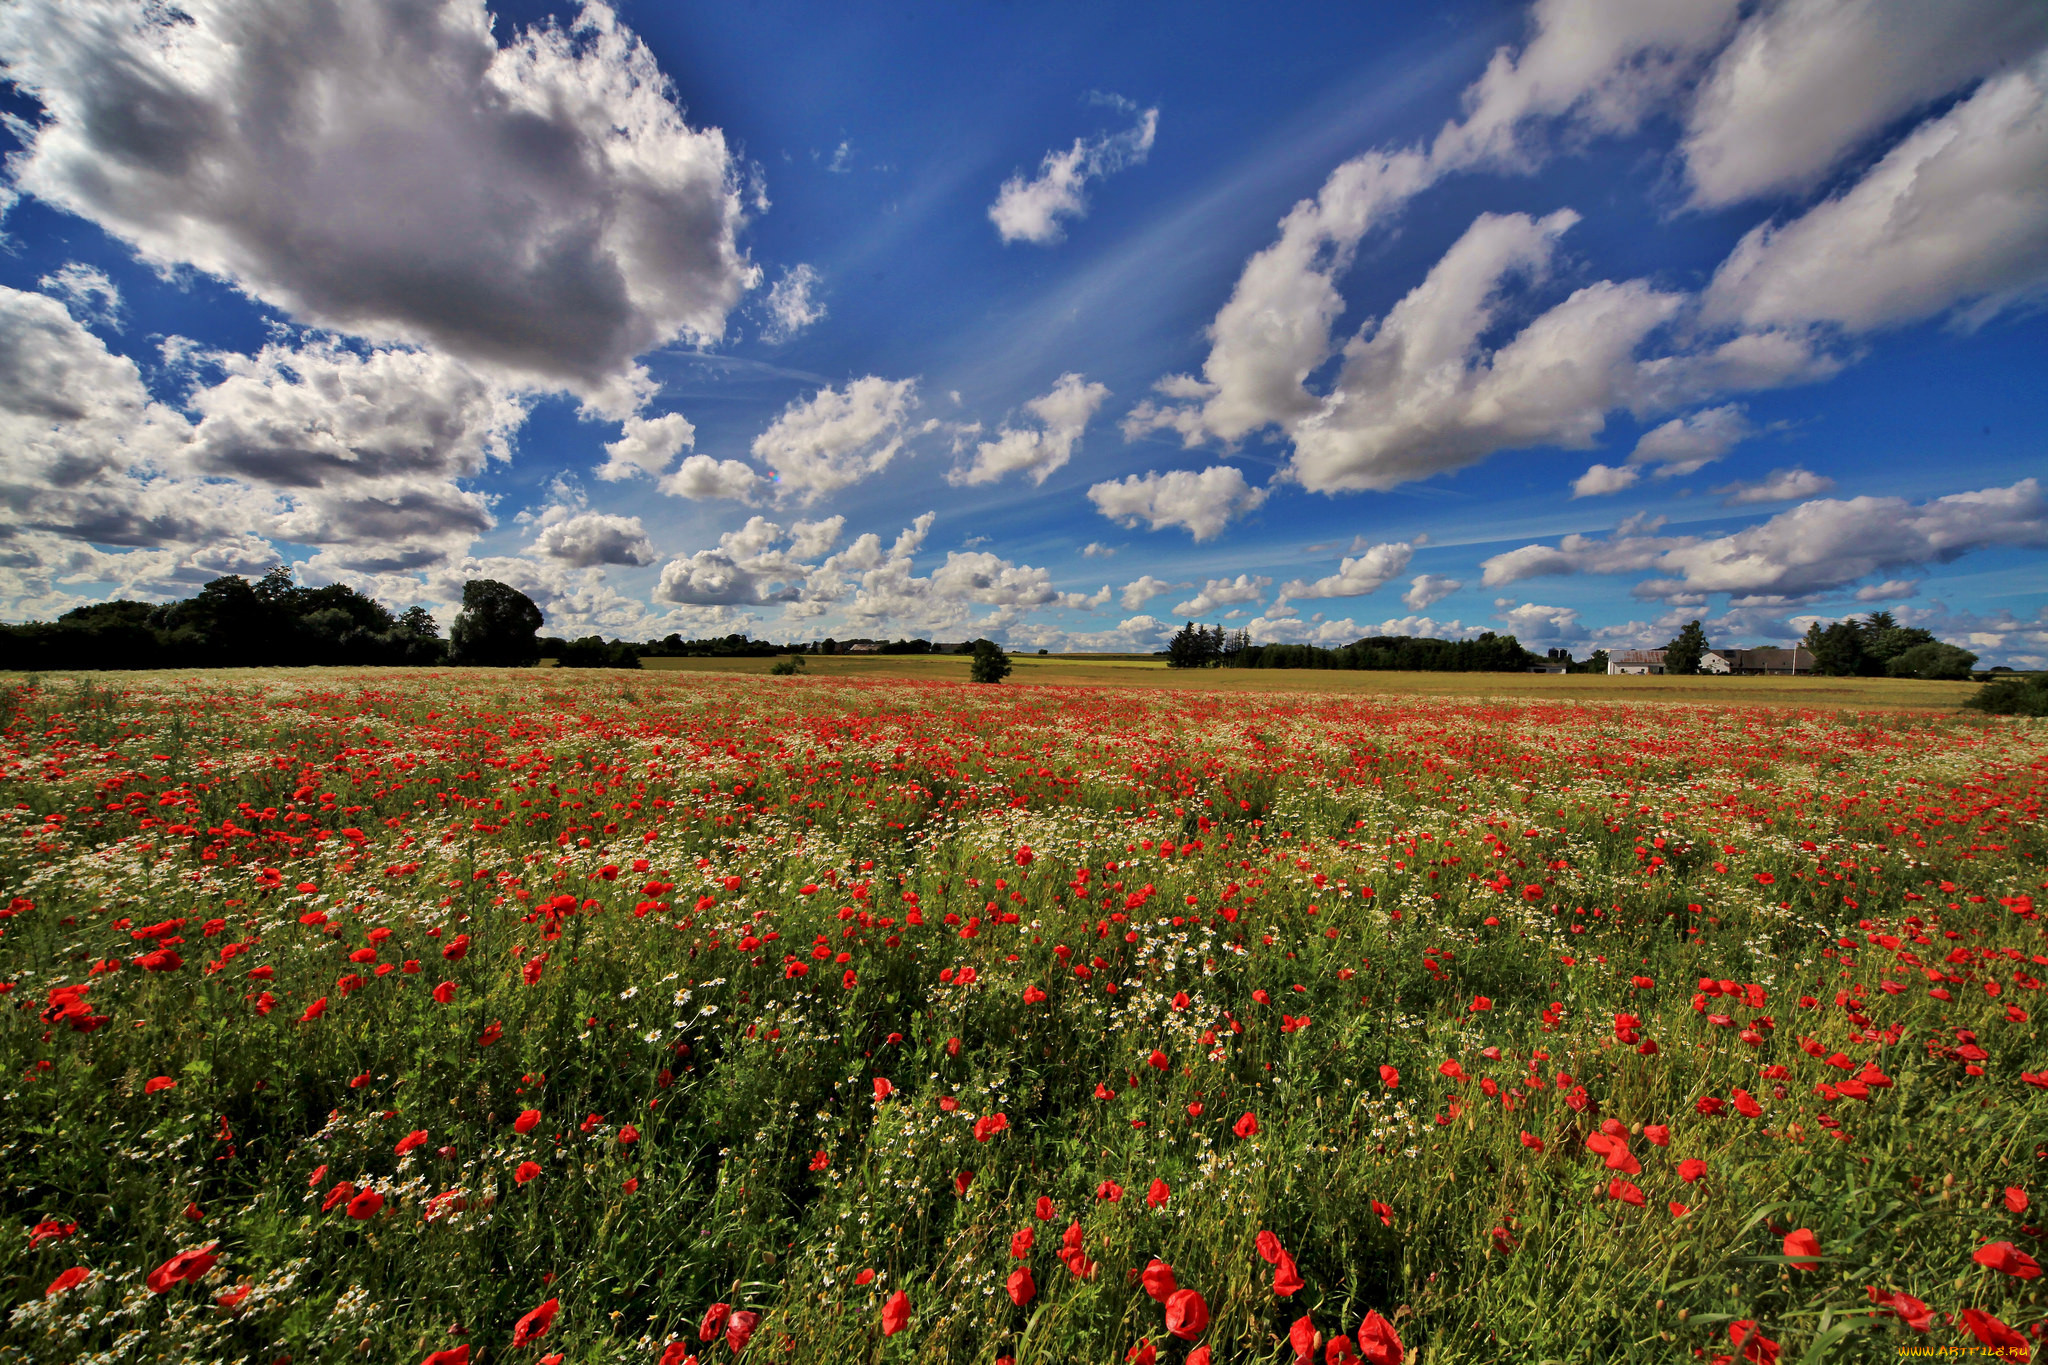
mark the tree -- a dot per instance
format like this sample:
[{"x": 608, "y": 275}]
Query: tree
[
  {"x": 990, "y": 664},
  {"x": 1682, "y": 656},
  {"x": 1837, "y": 649},
  {"x": 1596, "y": 662},
  {"x": 787, "y": 667},
  {"x": 1932, "y": 661},
  {"x": 1193, "y": 647},
  {"x": 498, "y": 626}
]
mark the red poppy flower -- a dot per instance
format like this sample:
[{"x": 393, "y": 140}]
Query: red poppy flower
[
  {"x": 1044, "y": 1210},
  {"x": 1386, "y": 1215},
  {"x": 714, "y": 1321},
  {"x": 1756, "y": 1348},
  {"x": 365, "y": 1205},
  {"x": 675, "y": 1353},
  {"x": 49, "y": 1231},
  {"x": 1302, "y": 1337},
  {"x": 1144, "y": 1353},
  {"x": 70, "y": 1279},
  {"x": 314, "y": 1010},
  {"x": 526, "y": 1171},
  {"x": 1747, "y": 1106},
  {"x": 2015, "y": 1199},
  {"x": 1339, "y": 1351},
  {"x": 1158, "y": 1060},
  {"x": 1452, "y": 1069},
  {"x": 1246, "y": 1127},
  {"x": 895, "y": 1313},
  {"x": 454, "y": 1355},
  {"x": 1021, "y": 1286},
  {"x": 1532, "y": 1142},
  {"x": 1111, "y": 1191},
  {"x": 535, "y": 1324},
  {"x": 1622, "y": 1190},
  {"x": 1286, "y": 1279},
  {"x": 1157, "y": 1278},
  {"x": 156, "y": 1083},
  {"x": 2007, "y": 1259},
  {"x": 989, "y": 1125},
  {"x": 1804, "y": 1248},
  {"x": 1377, "y": 1341},
  {"x": 1199, "y": 1356},
  {"x": 1990, "y": 1330},
  {"x": 961, "y": 1181},
  {"x": 1480, "y": 1005},
  {"x": 628, "y": 1135},
  {"x": 1390, "y": 1077},
  {"x": 739, "y": 1328},
  {"x": 1157, "y": 1196},
  {"x": 1269, "y": 1248},
  {"x": 416, "y": 1138},
  {"x": 445, "y": 992},
  {"x": 1677, "y": 1209},
  {"x": 186, "y": 1265},
  {"x": 527, "y": 1121},
  {"x": 1909, "y": 1310},
  {"x": 1187, "y": 1314},
  {"x": 232, "y": 1298},
  {"x": 1710, "y": 1105},
  {"x": 1657, "y": 1135},
  {"x": 883, "y": 1088},
  {"x": 1020, "y": 1242}
]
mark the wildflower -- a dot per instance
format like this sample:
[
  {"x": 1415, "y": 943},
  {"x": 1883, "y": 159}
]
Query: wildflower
[
  {"x": 1804, "y": 1249},
  {"x": 1377, "y": 1342},
  {"x": 1286, "y": 1279},
  {"x": 2007, "y": 1259},
  {"x": 1187, "y": 1314},
  {"x": 70, "y": 1279},
  {"x": 1021, "y": 1287},
  {"x": 896, "y": 1313},
  {"x": 185, "y": 1266}
]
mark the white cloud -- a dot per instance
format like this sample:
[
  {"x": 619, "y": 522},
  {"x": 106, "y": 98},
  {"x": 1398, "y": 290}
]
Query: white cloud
[
  {"x": 1815, "y": 547},
  {"x": 540, "y": 209},
  {"x": 1891, "y": 590},
  {"x": 1418, "y": 395},
  {"x": 809, "y": 539},
  {"x": 1275, "y": 628},
  {"x": 1062, "y": 415},
  {"x": 1532, "y": 623},
  {"x": 585, "y": 539},
  {"x": 1355, "y": 577},
  {"x": 1829, "y": 543},
  {"x": 1427, "y": 589},
  {"x": 709, "y": 578},
  {"x": 86, "y": 291},
  {"x": 1600, "y": 480},
  {"x": 1684, "y": 445},
  {"x": 646, "y": 445},
  {"x": 833, "y": 439},
  {"x": 1780, "y": 485},
  {"x": 1219, "y": 592},
  {"x": 1806, "y": 82},
  {"x": 793, "y": 304},
  {"x": 2000, "y": 636},
  {"x": 701, "y": 476},
  {"x": 1133, "y": 635},
  {"x": 1954, "y": 215},
  {"x": 1031, "y": 210},
  {"x": 1097, "y": 550},
  {"x": 1139, "y": 591},
  {"x": 1204, "y": 503}
]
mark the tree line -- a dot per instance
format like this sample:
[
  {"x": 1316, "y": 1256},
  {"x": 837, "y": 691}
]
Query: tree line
[
  {"x": 1213, "y": 647},
  {"x": 1875, "y": 647}
]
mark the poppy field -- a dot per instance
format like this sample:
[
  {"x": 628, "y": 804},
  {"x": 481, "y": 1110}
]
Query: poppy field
[{"x": 480, "y": 1016}]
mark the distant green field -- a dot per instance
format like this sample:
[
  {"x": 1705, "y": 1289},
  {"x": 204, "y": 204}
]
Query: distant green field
[{"x": 1131, "y": 670}]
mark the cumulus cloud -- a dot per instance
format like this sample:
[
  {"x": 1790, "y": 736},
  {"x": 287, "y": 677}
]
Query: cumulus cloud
[
  {"x": 585, "y": 539},
  {"x": 1815, "y": 547},
  {"x": 1428, "y": 588},
  {"x": 1097, "y": 550},
  {"x": 809, "y": 539},
  {"x": 1684, "y": 445},
  {"x": 1357, "y": 576},
  {"x": 1277, "y": 628},
  {"x": 1600, "y": 480},
  {"x": 1133, "y": 635},
  {"x": 832, "y": 439},
  {"x": 701, "y": 476},
  {"x": 1032, "y": 210},
  {"x": 391, "y": 171},
  {"x": 1204, "y": 503},
  {"x": 1806, "y": 82},
  {"x": 1956, "y": 215},
  {"x": 793, "y": 304},
  {"x": 1218, "y": 592},
  {"x": 2000, "y": 636},
  {"x": 1139, "y": 591},
  {"x": 86, "y": 291},
  {"x": 1533, "y": 623},
  {"x": 646, "y": 445},
  {"x": 1891, "y": 590},
  {"x": 1061, "y": 416},
  {"x": 1780, "y": 485}
]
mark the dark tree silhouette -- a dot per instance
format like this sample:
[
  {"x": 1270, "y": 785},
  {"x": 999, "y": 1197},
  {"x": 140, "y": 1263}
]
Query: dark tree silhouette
[{"x": 499, "y": 626}]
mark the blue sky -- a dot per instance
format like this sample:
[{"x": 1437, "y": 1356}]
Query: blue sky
[{"x": 1058, "y": 324}]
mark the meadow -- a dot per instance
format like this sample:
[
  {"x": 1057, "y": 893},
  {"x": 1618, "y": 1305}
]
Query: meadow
[{"x": 468, "y": 1016}]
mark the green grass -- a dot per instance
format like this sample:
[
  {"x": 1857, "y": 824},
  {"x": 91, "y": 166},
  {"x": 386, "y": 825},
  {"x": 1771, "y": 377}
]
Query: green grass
[{"x": 1532, "y": 851}]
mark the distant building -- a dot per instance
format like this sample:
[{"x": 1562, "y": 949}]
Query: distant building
[
  {"x": 862, "y": 647},
  {"x": 1635, "y": 662},
  {"x": 1715, "y": 661},
  {"x": 1776, "y": 661}
]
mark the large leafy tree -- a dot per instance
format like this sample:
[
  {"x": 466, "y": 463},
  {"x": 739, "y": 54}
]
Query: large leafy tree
[
  {"x": 499, "y": 625},
  {"x": 990, "y": 664},
  {"x": 1683, "y": 654}
]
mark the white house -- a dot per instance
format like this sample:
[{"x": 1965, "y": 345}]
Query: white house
[{"x": 1635, "y": 662}]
